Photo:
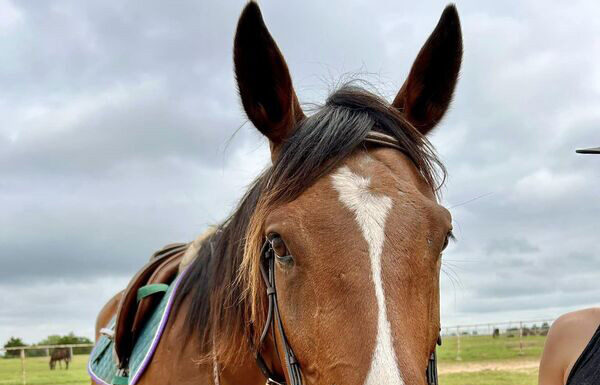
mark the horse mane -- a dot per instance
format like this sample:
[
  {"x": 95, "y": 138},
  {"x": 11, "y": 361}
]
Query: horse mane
[{"x": 223, "y": 288}]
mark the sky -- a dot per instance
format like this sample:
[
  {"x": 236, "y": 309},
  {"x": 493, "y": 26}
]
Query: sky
[{"x": 121, "y": 131}]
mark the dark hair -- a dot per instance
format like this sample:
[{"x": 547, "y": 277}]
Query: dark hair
[{"x": 223, "y": 285}]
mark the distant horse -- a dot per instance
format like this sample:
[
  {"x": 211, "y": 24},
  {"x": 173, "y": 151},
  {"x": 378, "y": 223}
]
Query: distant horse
[
  {"x": 348, "y": 221},
  {"x": 58, "y": 355}
]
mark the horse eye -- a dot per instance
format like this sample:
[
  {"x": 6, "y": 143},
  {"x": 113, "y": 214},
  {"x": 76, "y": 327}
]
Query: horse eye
[
  {"x": 445, "y": 244},
  {"x": 278, "y": 246},
  {"x": 449, "y": 236}
]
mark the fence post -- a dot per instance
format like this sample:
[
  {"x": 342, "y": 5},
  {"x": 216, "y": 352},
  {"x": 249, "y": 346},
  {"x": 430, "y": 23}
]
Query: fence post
[
  {"x": 520, "y": 337},
  {"x": 458, "y": 343},
  {"x": 71, "y": 351},
  {"x": 23, "y": 367}
]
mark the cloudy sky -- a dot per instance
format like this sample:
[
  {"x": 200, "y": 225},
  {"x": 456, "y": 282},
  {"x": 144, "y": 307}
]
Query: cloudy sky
[{"x": 121, "y": 131}]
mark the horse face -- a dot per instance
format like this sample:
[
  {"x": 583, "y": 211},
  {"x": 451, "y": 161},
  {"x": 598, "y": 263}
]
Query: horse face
[
  {"x": 358, "y": 252},
  {"x": 358, "y": 271}
]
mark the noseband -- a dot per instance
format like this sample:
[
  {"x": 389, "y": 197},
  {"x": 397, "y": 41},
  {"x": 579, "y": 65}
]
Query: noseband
[{"x": 273, "y": 321}]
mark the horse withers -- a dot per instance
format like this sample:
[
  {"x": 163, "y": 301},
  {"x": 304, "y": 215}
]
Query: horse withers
[
  {"x": 349, "y": 218},
  {"x": 58, "y": 355}
]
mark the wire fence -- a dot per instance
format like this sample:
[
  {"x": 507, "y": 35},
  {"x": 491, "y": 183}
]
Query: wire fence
[
  {"x": 23, "y": 352},
  {"x": 495, "y": 340},
  {"x": 530, "y": 326},
  {"x": 466, "y": 342}
]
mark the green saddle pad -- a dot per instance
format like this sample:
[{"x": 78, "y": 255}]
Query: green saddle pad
[{"x": 102, "y": 367}]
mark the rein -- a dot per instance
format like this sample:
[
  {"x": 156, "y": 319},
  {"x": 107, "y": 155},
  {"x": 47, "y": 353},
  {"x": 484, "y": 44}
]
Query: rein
[{"x": 267, "y": 270}]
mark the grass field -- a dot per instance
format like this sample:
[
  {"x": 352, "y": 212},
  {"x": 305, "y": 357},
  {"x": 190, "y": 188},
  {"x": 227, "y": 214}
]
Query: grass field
[
  {"x": 491, "y": 377},
  {"x": 38, "y": 373},
  {"x": 485, "y": 348},
  {"x": 482, "y": 361}
]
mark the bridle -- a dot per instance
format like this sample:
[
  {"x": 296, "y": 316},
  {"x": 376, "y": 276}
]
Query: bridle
[
  {"x": 273, "y": 321},
  {"x": 267, "y": 271}
]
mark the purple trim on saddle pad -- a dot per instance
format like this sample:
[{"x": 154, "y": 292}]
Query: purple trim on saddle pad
[
  {"x": 161, "y": 328},
  {"x": 95, "y": 378},
  {"x": 134, "y": 378}
]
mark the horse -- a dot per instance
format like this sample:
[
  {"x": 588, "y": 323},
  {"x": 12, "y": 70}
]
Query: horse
[
  {"x": 58, "y": 355},
  {"x": 496, "y": 333},
  {"x": 327, "y": 272}
]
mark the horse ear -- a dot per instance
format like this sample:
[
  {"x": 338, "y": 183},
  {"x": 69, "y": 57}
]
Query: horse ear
[
  {"x": 427, "y": 92},
  {"x": 263, "y": 79}
]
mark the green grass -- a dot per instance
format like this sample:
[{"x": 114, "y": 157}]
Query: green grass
[
  {"x": 491, "y": 377},
  {"x": 486, "y": 348},
  {"x": 38, "y": 372},
  {"x": 472, "y": 349}
]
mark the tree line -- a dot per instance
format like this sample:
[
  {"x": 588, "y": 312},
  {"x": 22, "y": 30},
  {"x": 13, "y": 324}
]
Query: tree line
[{"x": 55, "y": 339}]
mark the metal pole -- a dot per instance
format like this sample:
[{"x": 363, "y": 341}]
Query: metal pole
[
  {"x": 23, "y": 378},
  {"x": 458, "y": 343}
]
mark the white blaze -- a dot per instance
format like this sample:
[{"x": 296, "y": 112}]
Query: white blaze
[{"x": 371, "y": 211}]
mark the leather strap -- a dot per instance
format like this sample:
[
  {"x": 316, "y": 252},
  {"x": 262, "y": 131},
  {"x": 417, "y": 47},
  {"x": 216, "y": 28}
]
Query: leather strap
[
  {"x": 267, "y": 270},
  {"x": 130, "y": 312},
  {"x": 153, "y": 288},
  {"x": 383, "y": 139},
  {"x": 432, "y": 375}
]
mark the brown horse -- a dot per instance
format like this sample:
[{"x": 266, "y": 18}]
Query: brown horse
[
  {"x": 58, "y": 355},
  {"x": 355, "y": 225}
]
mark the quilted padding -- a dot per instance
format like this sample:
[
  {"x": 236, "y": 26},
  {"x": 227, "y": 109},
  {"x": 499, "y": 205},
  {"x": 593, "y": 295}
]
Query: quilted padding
[{"x": 102, "y": 367}]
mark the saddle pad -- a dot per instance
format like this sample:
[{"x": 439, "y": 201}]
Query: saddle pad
[{"x": 102, "y": 367}]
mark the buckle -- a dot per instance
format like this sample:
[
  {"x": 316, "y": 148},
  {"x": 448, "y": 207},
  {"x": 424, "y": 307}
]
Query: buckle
[{"x": 109, "y": 333}]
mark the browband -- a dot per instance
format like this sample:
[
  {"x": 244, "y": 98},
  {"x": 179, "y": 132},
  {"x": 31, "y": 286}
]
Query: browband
[{"x": 383, "y": 139}]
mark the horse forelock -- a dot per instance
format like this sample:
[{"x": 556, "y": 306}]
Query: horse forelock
[{"x": 226, "y": 301}]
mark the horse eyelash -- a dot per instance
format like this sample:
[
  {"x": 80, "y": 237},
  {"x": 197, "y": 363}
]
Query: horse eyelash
[{"x": 452, "y": 237}]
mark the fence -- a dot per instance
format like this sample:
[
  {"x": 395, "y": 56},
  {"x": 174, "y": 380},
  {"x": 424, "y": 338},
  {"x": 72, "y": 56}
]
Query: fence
[
  {"x": 45, "y": 349},
  {"x": 524, "y": 338},
  {"x": 494, "y": 340}
]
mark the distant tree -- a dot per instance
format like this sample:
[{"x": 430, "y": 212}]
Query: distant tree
[
  {"x": 544, "y": 329},
  {"x": 51, "y": 340},
  {"x": 13, "y": 342},
  {"x": 69, "y": 339},
  {"x": 545, "y": 326}
]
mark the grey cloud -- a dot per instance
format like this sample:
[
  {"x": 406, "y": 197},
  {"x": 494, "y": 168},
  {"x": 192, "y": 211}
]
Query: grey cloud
[
  {"x": 511, "y": 246},
  {"x": 135, "y": 127},
  {"x": 117, "y": 119}
]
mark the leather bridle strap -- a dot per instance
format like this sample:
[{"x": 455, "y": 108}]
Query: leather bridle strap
[
  {"x": 432, "y": 376},
  {"x": 382, "y": 139},
  {"x": 267, "y": 270}
]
